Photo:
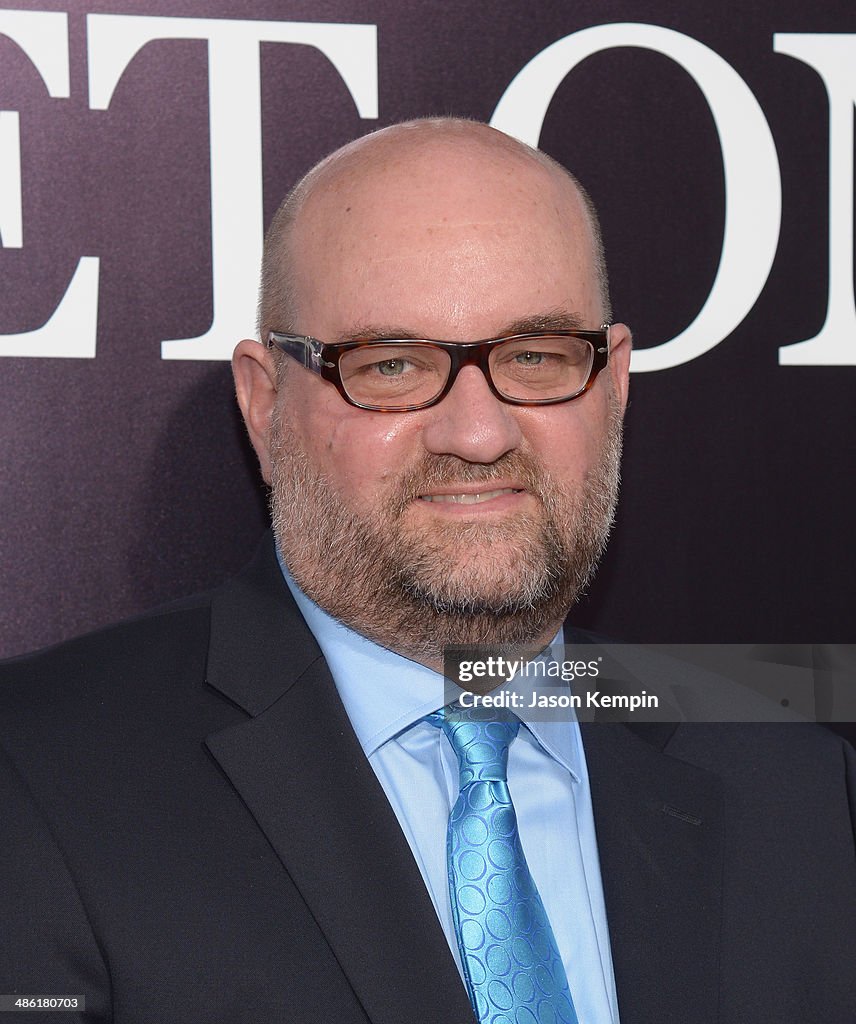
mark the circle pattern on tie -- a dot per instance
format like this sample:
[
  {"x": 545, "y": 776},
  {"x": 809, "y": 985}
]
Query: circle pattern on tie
[{"x": 512, "y": 967}]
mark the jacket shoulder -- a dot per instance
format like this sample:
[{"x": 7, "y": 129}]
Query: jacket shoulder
[{"x": 148, "y": 650}]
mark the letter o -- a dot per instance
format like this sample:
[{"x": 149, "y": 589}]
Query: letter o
[{"x": 753, "y": 187}]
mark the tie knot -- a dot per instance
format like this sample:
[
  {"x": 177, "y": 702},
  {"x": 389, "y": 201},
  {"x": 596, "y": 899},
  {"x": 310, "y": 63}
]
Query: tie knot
[{"x": 480, "y": 740}]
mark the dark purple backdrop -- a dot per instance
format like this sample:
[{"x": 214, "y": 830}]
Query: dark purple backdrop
[{"x": 126, "y": 479}]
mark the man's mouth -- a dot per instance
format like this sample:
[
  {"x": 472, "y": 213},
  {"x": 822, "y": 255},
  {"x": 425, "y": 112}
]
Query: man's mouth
[{"x": 470, "y": 499}]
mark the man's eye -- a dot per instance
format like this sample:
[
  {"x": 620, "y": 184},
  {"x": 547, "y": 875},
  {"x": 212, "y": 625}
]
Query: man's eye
[
  {"x": 530, "y": 358},
  {"x": 392, "y": 367}
]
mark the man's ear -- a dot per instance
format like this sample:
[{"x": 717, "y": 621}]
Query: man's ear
[
  {"x": 620, "y": 345},
  {"x": 255, "y": 376}
]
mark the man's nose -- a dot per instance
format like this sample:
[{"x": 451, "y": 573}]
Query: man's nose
[{"x": 471, "y": 422}]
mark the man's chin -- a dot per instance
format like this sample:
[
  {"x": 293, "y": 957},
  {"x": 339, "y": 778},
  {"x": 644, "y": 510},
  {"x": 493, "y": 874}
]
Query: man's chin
[
  {"x": 493, "y": 580},
  {"x": 464, "y": 600}
]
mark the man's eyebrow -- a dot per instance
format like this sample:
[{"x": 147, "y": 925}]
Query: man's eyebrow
[
  {"x": 555, "y": 320},
  {"x": 364, "y": 332}
]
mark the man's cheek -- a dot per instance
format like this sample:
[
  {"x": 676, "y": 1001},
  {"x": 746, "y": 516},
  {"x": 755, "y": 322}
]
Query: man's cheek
[{"x": 571, "y": 454}]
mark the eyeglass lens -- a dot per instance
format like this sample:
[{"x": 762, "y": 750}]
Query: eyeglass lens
[{"x": 398, "y": 374}]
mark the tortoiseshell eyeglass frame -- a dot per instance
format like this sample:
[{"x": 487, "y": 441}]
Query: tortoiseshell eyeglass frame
[{"x": 323, "y": 358}]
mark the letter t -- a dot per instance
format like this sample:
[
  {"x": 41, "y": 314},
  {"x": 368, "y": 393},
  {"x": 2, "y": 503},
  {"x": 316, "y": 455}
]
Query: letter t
[{"x": 236, "y": 144}]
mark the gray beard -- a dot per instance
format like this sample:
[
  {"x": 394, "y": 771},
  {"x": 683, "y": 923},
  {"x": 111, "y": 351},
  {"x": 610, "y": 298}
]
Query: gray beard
[{"x": 461, "y": 582}]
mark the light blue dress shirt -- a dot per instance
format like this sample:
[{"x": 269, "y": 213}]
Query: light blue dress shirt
[{"x": 387, "y": 698}]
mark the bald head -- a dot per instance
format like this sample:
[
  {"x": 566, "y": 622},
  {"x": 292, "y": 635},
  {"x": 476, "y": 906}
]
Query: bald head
[{"x": 436, "y": 168}]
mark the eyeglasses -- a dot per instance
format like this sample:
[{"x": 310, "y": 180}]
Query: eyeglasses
[{"x": 402, "y": 375}]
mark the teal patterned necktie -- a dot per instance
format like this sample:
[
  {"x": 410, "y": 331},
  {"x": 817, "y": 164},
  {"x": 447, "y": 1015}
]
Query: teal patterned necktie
[{"x": 512, "y": 968}]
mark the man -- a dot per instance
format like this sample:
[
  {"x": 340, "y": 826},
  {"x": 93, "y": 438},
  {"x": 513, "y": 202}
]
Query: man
[{"x": 236, "y": 809}]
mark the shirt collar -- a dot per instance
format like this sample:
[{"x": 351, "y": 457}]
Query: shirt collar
[
  {"x": 557, "y": 730},
  {"x": 385, "y": 693}
]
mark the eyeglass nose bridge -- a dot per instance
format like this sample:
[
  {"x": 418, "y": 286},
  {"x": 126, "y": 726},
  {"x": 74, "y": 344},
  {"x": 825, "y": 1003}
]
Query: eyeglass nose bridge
[{"x": 470, "y": 353}]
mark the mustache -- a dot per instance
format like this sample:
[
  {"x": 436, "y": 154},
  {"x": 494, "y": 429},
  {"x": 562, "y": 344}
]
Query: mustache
[{"x": 441, "y": 470}]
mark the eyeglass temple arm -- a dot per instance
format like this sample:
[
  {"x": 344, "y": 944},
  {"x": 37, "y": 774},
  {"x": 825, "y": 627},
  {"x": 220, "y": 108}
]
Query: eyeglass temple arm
[
  {"x": 307, "y": 351},
  {"x": 294, "y": 347}
]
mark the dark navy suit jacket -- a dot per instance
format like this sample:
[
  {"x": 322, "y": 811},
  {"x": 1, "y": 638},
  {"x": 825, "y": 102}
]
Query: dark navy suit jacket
[{"x": 191, "y": 833}]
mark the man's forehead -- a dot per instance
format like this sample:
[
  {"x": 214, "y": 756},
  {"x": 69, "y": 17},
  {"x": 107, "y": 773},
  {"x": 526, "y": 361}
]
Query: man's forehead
[
  {"x": 444, "y": 181},
  {"x": 427, "y": 229}
]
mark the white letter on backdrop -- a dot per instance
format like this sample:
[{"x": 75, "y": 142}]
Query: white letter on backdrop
[
  {"x": 236, "y": 142},
  {"x": 753, "y": 191},
  {"x": 833, "y": 57},
  {"x": 70, "y": 331}
]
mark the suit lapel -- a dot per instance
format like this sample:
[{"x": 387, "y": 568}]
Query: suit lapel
[
  {"x": 303, "y": 775},
  {"x": 659, "y": 830}
]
